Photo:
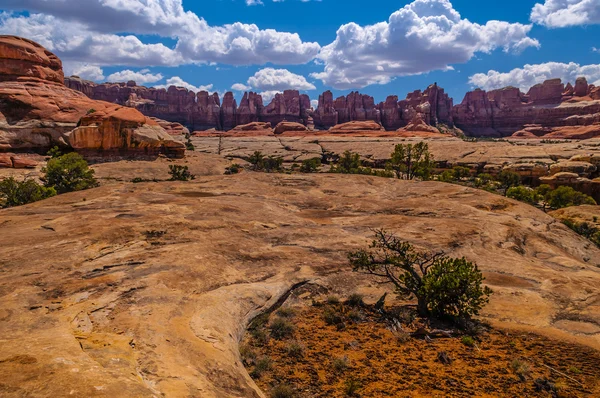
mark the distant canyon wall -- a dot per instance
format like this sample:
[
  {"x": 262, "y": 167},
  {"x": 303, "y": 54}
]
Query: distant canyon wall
[{"x": 496, "y": 113}]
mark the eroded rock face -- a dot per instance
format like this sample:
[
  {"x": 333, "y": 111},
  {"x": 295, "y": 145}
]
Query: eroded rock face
[
  {"x": 549, "y": 106},
  {"x": 356, "y": 126},
  {"x": 37, "y": 111},
  {"x": 289, "y": 126},
  {"x": 23, "y": 58}
]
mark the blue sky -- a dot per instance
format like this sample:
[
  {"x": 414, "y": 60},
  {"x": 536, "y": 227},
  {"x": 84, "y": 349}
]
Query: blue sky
[{"x": 378, "y": 48}]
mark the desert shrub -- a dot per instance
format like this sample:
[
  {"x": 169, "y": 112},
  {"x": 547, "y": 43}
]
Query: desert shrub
[
  {"x": 54, "y": 152},
  {"x": 585, "y": 229},
  {"x": 333, "y": 300},
  {"x": 332, "y": 317},
  {"x": 523, "y": 194},
  {"x": 281, "y": 328},
  {"x": 412, "y": 161},
  {"x": 233, "y": 169},
  {"x": 189, "y": 146},
  {"x": 286, "y": 312},
  {"x": 520, "y": 368},
  {"x": 260, "y": 336},
  {"x": 68, "y": 173},
  {"x": 248, "y": 355},
  {"x": 443, "y": 286},
  {"x": 340, "y": 364},
  {"x": 355, "y": 300},
  {"x": 461, "y": 172},
  {"x": 256, "y": 160},
  {"x": 348, "y": 163},
  {"x": 272, "y": 164},
  {"x": 310, "y": 165},
  {"x": 351, "y": 388},
  {"x": 446, "y": 176},
  {"x": 483, "y": 179},
  {"x": 90, "y": 111},
  {"x": 180, "y": 173},
  {"x": 283, "y": 391},
  {"x": 354, "y": 315},
  {"x": 508, "y": 179},
  {"x": 468, "y": 341},
  {"x": 17, "y": 193},
  {"x": 295, "y": 349},
  {"x": 567, "y": 196},
  {"x": 261, "y": 366}
]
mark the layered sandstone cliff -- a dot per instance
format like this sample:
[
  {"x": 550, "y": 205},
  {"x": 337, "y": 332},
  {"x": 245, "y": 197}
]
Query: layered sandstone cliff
[
  {"x": 37, "y": 111},
  {"x": 201, "y": 111},
  {"x": 549, "y": 105}
]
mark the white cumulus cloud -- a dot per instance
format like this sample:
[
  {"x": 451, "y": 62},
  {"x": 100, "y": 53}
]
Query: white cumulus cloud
[
  {"x": 240, "y": 87},
  {"x": 179, "y": 82},
  {"x": 270, "y": 79},
  {"x": 562, "y": 13},
  {"x": 84, "y": 71},
  {"x": 531, "y": 75},
  {"x": 104, "y": 32},
  {"x": 141, "y": 77},
  {"x": 422, "y": 36}
]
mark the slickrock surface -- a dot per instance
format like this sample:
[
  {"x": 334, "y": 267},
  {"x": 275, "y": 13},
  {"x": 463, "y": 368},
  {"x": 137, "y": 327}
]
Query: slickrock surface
[{"x": 145, "y": 289}]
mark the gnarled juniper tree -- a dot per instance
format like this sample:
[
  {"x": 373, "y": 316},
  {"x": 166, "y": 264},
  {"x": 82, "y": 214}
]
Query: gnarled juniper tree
[{"x": 443, "y": 286}]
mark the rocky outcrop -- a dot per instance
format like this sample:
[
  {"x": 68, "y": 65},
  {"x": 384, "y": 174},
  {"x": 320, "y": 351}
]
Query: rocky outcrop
[
  {"x": 434, "y": 103},
  {"x": 250, "y": 108},
  {"x": 11, "y": 160},
  {"x": 25, "y": 59},
  {"x": 284, "y": 127},
  {"x": 37, "y": 111},
  {"x": 547, "y": 106},
  {"x": 356, "y": 126}
]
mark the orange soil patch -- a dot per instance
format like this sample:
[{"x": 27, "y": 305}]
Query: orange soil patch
[{"x": 387, "y": 364}]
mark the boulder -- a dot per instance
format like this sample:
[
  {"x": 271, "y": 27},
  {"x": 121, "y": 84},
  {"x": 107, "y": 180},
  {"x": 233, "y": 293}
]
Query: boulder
[
  {"x": 356, "y": 126},
  {"x": 581, "y": 87},
  {"x": 289, "y": 126},
  {"x": 172, "y": 128},
  {"x": 582, "y": 169},
  {"x": 254, "y": 126}
]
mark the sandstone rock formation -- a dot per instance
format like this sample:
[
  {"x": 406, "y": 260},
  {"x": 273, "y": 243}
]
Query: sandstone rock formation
[
  {"x": 37, "y": 111},
  {"x": 548, "y": 106},
  {"x": 434, "y": 103},
  {"x": 289, "y": 126},
  {"x": 356, "y": 126}
]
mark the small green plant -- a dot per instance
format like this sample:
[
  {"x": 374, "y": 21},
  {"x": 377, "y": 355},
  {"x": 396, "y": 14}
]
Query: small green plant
[
  {"x": 340, "y": 364},
  {"x": 355, "y": 300},
  {"x": 68, "y": 173},
  {"x": 521, "y": 369},
  {"x": 256, "y": 160},
  {"x": 574, "y": 370},
  {"x": 446, "y": 176},
  {"x": 281, "y": 328},
  {"x": 468, "y": 341},
  {"x": 17, "y": 193},
  {"x": 508, "y": 179},
  {"x": 90, "y": 111},
  {"x": 248, "y": 355},
  {"x": 585, "y": 229},
  {"x": 272, "y": 164},
  {"x": 523, "y": 194},
  {"x": 54, "y": 152},
  {"x": 283, "y": 391},
  {"x": 351, "y": 388},
  {"x": 286, "y": 312},
  {"x": 461, "y": 172},
  {"x": 180, "y": 173},
  {"x": 295, "y": 349},
  {"x": 333, "y": 300},
  {"x": 261, "y": 366},
  {"x": 310, "y": 165},
  {"x": 332, "y": 317},
  {"x": 412, "y": 161},
  {"x": 233, "y": 169}
]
